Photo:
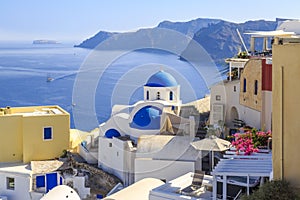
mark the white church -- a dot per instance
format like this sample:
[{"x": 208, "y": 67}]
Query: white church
[{"x": 149, "y": 138}]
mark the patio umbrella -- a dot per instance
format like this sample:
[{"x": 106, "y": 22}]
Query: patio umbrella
[{"x": 212, "y": 144}]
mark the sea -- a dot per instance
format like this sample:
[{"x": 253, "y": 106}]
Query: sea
[{"x": 79, "y": 81}]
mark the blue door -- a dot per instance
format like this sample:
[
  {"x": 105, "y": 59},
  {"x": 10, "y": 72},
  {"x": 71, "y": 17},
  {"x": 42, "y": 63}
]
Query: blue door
[{"x": 51, "y": 180}]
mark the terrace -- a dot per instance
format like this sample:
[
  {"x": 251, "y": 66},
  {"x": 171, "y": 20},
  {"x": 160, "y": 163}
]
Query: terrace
[{"x": 241, "y": 173}]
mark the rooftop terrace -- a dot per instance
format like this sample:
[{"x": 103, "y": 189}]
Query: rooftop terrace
[{"x": 32, "y": 111}]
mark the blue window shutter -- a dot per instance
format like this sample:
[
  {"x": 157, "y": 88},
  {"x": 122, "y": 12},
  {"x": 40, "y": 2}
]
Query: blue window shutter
[
  {"x": 47, "y": 133},
  {"x": 40, "y": 181}
]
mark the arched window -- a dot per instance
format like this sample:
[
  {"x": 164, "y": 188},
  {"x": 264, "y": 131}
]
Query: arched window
[
  {"x": 245, "y": 85},
  {"x": 171, "y": 96},
  {"x": 255, "y": 87},
  {"x": 158, "y": 95},
  {"x": 147, "y": 95}
]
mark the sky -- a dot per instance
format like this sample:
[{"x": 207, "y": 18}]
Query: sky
[{"x": 77, "y": 20}]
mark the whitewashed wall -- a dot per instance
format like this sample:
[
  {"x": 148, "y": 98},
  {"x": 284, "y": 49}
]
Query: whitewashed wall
[
  {"x": 164, "y": 93},
  {"x": 116, "y": 157},
  {"x": 161, "y": 169},
  {"x": 229, "y": 99},
  {"x": 22, "y": 186}
]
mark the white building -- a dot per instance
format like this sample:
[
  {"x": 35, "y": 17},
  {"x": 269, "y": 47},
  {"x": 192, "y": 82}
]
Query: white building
[
  {"x": 225, "y": 100},
  {"x": 149, "y": 138},
  {"x": 165, "y": 157},
  {"x": 15, "y": 181},
  {"x": 27, "y": 181},
  {"x": 32, "y": 181},
  {"x": 191, "y": 186}
]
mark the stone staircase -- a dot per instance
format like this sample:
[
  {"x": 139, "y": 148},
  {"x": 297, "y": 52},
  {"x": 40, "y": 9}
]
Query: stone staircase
[{"x": 200, "y": 109}]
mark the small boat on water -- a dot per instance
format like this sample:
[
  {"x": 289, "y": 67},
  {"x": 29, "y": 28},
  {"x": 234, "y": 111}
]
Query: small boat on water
[{"x": 49, "y": 78}]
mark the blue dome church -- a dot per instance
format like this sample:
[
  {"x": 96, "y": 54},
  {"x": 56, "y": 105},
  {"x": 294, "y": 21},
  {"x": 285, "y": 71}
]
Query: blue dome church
[{"x": 147, "y": 126}]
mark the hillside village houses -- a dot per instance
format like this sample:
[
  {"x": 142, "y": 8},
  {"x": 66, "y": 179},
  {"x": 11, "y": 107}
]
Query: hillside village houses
[
  {"x": 35, "y": 137},
  {"x": 149, "y": 138},
  {"x": 31, "y": 134},
  {"x": 151, "y": 141},
  {"x": 245, "y": 98}
]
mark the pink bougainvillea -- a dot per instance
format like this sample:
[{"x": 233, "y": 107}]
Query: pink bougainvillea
[{"x": 250, "y": 141}]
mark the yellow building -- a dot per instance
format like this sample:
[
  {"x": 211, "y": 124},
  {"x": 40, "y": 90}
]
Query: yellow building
[
  {"x": 33, "y": 133},
  {"x": 256, "y": 89},
  {"x": 286, "y": 110}
]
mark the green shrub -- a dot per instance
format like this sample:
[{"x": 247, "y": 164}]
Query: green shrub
[
  {"x": 274, "y": 190},
  {"x": 64, "y": 153}
]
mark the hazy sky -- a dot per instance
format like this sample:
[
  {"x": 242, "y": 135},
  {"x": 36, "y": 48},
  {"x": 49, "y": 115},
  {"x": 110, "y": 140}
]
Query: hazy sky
[{"x": 80, "y": 19}]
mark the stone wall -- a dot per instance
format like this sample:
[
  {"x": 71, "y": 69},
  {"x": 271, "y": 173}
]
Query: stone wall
[{"x": 252, "y": 72}]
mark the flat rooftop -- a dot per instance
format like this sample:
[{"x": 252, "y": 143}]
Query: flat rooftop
[
  {"x": 41, "y": 167},
  {"x": 182, "y": 182},
  {"x": 35, "y": 167},
  {"x": 137, "y": 191},
  {"x": 16, "y": 168},
  {"x": 33, "y": 111},
  {"x": 178, "y": 185}
]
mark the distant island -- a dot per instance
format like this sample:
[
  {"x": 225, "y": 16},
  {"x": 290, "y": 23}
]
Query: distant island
[{"x": 45, "y": 42}]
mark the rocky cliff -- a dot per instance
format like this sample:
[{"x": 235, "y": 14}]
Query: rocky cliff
[{"x": 218, "y": 37}]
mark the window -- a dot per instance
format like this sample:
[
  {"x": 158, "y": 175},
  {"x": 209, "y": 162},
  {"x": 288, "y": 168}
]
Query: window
[
  {"x": 158, "y": 95},
  {"x": 48, "y": 133},
  {"x": 147, "y": 95},
  {"x": 40, "y": 181},
  {"x": 10, "y": 183},
  {"x": 245, "y": 85},
  {"x": 234, "y": 88},
  {"x": 110, "y": 144},
  {"x": 171, "y": 96},
  {"x": 218, "y": 97},
  {"x": 255, "y": 87}
]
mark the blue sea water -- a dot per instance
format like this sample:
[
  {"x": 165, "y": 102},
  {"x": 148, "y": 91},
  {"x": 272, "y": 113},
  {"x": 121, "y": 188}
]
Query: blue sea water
[{"x": 25, "y": 68}]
